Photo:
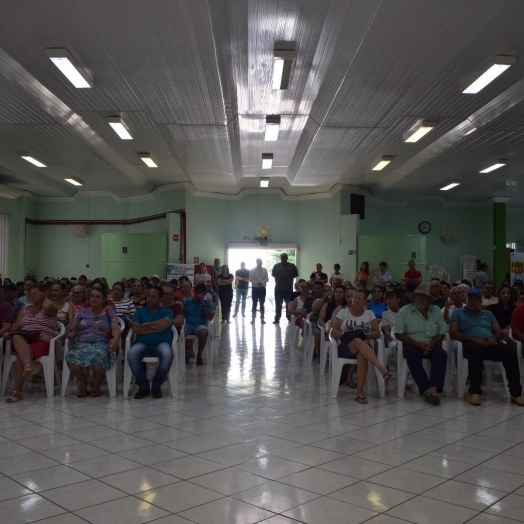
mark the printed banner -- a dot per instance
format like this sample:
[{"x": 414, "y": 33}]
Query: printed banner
[
  {"x": 517, "y": 268},
  {"x": 178, "y": 270}
]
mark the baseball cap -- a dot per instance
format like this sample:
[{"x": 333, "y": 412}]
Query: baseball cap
[
  {"x": 9, "y": 287},
  {"x": 474, "y": 291}
]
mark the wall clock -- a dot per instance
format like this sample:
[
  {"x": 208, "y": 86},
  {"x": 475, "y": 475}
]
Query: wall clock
[{"x": 424, "y": 227}]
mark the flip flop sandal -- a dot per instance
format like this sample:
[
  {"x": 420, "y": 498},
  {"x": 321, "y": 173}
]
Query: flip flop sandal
[
  {"x": 387, "y": 376},
  {"x": 29, "y": 372},
  {"x": 351, "y": 385},
  {"x": 15, "y": 396},
  {"x": 95, "y": 393},
  {"x": 362, "y": 400},
  {"x": 83, "y": 394}
]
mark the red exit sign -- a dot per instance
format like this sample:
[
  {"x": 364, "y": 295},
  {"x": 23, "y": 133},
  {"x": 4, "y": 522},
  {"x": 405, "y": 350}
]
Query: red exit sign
[{"x": 175, "y": 238}]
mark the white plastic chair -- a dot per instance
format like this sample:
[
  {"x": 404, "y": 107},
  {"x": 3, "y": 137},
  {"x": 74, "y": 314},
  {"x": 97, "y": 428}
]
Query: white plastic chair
[
  {"x": 439, "y": 272},
  {"x": 111, "y": 373},
  {"x": 294, "y": 330},
  {"x": 462, "y": 373},
  {"x": 173, "y": 372},
  {"x": 402, "y": 369},
  {"x": 338, "y": 363},
  {"x": 324, "y": 346},
  {"x": 467, "y": 267},
  {"x": 309, "y": 339},
  {"x": 194, "y": 338},
  {"x": 519, "y": 354},
  {"x": 48, "y": 362}
]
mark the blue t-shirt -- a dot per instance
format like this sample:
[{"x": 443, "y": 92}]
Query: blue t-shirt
[
  {"x": 378, "y": 309},
  {"x": 144, "y": 314},
  {"x": 194, "y": 312},
  {"x": 477, "y": 326}
]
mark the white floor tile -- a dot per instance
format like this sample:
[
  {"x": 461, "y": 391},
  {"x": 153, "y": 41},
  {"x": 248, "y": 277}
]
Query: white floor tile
[
  {"x": 271, "y": 467},
  {"x": 318, "y": 481},
  {"x": 229, "y": 481},
  {"x": 138, "y": 480},
  {"x": 510, "y": 507}
]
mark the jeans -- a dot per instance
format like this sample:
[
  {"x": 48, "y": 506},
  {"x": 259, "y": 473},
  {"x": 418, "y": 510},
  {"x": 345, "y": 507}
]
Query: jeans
[
  {"x": 258, "y": 294},
  {"x": 438, "y": 358},
  {"x": 281, "y": 295},
  {"x": 504, "y": 353},
  {"x": 164, "y": 353},
  {"x": 241, "y": 295}
]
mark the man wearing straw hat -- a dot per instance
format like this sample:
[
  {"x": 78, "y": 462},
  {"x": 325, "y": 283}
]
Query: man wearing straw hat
[{"x": 421, "y": 328}]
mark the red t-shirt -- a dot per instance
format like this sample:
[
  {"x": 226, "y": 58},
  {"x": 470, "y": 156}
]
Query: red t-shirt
[
  {"x": 176, "y": 308},
  {"x": 517, "y": 319},
  {"x": 412, "y": 274}
]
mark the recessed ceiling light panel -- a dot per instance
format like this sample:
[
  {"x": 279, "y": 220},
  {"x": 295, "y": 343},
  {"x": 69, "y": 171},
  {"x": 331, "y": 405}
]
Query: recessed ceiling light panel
[
  {"x": 488, "y": 73},
  {"x": 383, "y": 163},
  {"x": 450, "y": 186},
  {"x": 499, "y": 164},
  {"x": 272, "y": 128},
  {"x": 73, "y": 181},
  {"x": 119, "y": 127},
  {"x": 267, "y": 160},
  {"x": 282, "y": 62},
  {"x": 62, "y": 59},
  {"x": 417, "y": 131},
  {"x": 33, "y": 161},
  {"x": 148, "y": 161}
]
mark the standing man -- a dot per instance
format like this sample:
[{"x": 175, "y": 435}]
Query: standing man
[
  {"x": 284, "y": 274},
  {"x": 152, "y": 325},
  {"x": 203, "y": 276},
  {"x": 318, "y": 275},
  {"x": 259, "y": 278},
  {"x": 241, "y": 285},
  {"x": 216, "y": 270},
  {"x": 413, "y": 275}
]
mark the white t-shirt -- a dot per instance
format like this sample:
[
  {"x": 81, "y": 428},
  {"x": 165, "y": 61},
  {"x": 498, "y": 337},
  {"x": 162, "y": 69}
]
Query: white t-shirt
[
  {"x": 202, "y": 278},
  {"x": 340, "y": 277},
  {"x": 352, "y": 323}
]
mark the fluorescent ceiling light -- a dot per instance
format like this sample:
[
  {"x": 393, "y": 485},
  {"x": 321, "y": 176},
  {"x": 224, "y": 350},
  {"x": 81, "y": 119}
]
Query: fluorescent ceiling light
[
  {"x": 489, "y": 169},
  {"x": 417, "y": 131},
  {"x": 450, "y": 186},
  {"x": 283, "y": 60},
  {"x": 7, "y": 192},
  {"x": 73, "y": 181},
  {"x": 119, "y": 127},
  {"x": 148, "y": 161},
  {"x": 488, "y": 73},
  {"x": 33, "y": 161},
  {"x": 69, "y": 67},
  {"x": 272, "y": 128},
  {"x": 264, "y": 182},
  {"x": 267, "y": 160},
  {"x": 383, "y": 163}
]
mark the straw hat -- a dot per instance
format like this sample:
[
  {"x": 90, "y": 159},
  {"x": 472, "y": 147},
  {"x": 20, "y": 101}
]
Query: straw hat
[{"x": 421, "y": 290}]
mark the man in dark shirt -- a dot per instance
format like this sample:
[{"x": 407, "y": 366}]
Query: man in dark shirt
[
  {"x": 284, "y": 274},
  {"x": 434, "y": 291},
  {"x": 241, "y": 285},
  {"x": 176, "y": 307},
  {"x": 318, "y": 276}
]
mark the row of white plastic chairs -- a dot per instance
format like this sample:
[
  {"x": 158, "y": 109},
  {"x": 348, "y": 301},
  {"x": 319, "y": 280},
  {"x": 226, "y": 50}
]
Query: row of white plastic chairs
[
  {"x": 329, "y": 347},
  {"x": 114, "y": 374}
]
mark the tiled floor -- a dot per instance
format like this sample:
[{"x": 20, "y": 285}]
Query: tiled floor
[{"x": 254, "y": 436}]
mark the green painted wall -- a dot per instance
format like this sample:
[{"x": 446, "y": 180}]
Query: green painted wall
[
  {"x": 318, "y": 226},
  {"x": 18, "y": 210},
  {"x": 515, "y": 226},
  {"x": 474, "y": 227}
]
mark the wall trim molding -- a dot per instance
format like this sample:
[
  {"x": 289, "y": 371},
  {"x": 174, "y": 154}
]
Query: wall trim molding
[{"x": 188, "y": 186}]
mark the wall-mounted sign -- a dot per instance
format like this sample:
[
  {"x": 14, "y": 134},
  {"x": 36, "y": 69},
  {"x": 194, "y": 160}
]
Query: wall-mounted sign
[
  {"x": 352, "y": 252},
  {"x": 175, "y": 238}
]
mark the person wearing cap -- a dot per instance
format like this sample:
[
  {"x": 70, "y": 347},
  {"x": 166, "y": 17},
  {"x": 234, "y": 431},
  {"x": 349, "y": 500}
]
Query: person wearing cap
[
  {"x": 10, "y": 296},
  {"x": 481, "y": 336},
  {"x": 421, "y": 328}
]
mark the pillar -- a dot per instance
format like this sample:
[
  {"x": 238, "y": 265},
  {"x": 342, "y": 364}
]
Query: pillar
[{"x": 499, "y": 242}]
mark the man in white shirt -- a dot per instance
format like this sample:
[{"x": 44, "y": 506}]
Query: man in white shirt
[
  {"x": 259, "y": 278},
  {"x": 488, "y": 297},
  {"x": 454, "y": 302},
  {"x": 382, "y": 276},
  {"x": 203, "y": 277}
]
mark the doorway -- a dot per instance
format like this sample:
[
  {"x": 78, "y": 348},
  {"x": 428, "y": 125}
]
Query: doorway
[{"x": 270, "y": 255}]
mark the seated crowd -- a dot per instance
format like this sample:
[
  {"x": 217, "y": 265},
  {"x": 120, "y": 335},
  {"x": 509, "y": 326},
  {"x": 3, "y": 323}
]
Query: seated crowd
[{"x": 98, "y": 319}]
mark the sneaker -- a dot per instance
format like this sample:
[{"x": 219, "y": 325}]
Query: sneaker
[
  {"x": 253, "y": 321},
  {"x": 262, "y": 321},
  {"x": 517, "y": 400},
  {"x": 235, "y": 315},
  {"x": 156, "y": 393},
  {"x": 276, "y": 321},
  {"x": 409, "y": 383},
  {"x": 474, "y": 400},
  {"x": 142, "y": 393}
]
